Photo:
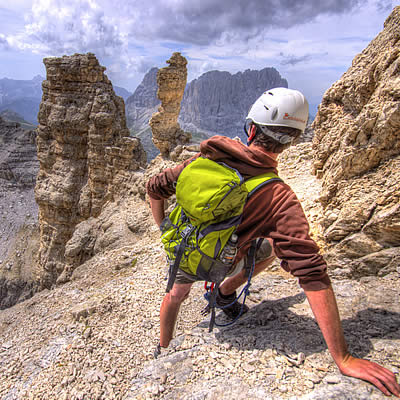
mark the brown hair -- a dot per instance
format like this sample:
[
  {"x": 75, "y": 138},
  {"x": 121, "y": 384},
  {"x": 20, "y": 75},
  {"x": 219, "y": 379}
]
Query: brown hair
[{"x": 261, "y": 139}]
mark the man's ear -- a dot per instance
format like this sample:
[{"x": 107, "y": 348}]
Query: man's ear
[{"x": 252, "y": 134}]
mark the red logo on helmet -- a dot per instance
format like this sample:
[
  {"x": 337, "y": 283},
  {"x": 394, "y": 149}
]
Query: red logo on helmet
[{"x": 287, "y": 116}]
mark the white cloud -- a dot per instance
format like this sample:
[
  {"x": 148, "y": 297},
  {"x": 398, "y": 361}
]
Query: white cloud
[
  {"x": 56, "y": 26},
  {"x": 129, "y": 36},
  {"x": 3, "y": 42}
]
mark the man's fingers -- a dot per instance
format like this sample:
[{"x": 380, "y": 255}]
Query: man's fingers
[
  {"x": 379, "y": 376},
  {"x": 384, "y": 380},
  {"x": 388, "y": 378}
]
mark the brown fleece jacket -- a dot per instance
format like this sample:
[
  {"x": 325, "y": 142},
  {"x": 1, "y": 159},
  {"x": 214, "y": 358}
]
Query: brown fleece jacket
[{"x": 272, "y": 212}]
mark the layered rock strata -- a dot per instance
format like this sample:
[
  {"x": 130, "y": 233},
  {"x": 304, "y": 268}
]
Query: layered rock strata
[
  {"x": 85, "y": 153},
  {"x": 171, "y": 81},
  {"x": 357, "y": 155}
]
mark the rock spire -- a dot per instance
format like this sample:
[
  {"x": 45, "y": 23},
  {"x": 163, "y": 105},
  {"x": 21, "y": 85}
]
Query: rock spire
[
  {"x": 171, "y": 81},
  {"x": 84, "y": 150}
]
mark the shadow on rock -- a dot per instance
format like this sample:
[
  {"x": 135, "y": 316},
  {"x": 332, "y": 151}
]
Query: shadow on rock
[{"x": 272, "y": 324}]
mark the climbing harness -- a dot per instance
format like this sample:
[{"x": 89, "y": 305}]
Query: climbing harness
[{"x": 212, "y": 290}]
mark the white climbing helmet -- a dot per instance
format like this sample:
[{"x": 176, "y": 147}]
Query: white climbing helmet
[{"x": 280, "y": 107}]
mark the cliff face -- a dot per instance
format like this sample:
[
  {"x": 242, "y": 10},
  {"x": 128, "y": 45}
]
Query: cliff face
[
  {"x": 84, "y": 150},
  {"x": 357, "y": 154},
  {"x": 171, "y": 81},
  {"x": 217, "y": 102}
]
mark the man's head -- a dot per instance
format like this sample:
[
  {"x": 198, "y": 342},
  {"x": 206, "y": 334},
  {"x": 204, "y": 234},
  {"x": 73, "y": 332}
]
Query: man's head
[{"x": 276, "y": 118}]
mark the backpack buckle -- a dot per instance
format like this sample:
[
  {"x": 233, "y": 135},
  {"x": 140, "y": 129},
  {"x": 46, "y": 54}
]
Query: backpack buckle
[{"x": 187, "y": 231}]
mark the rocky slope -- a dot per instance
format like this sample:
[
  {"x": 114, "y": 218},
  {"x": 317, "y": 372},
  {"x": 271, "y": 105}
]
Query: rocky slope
[
  {"x": 12, "y": 116},
  {"x": 357, "y": 155},
  {"x": 93, "y": 337}
]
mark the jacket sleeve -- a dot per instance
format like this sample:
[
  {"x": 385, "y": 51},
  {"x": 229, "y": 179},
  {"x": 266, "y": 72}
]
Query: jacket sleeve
[
  {"x": 162, "y": 186},
  {"x": 276, "y": 213},
  {"x": 293, "y": 245}
]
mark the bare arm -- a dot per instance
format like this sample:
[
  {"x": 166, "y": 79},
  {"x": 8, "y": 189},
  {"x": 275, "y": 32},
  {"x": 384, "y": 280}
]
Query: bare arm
[
  {"x": 157, "y": 209},
  {"x": 324, "y": 307}
]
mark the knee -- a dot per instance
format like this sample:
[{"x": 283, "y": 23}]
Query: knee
[{"x": 178, "y": 296}]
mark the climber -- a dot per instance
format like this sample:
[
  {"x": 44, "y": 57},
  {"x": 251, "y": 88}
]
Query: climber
[{"x": 274, "y": 121}]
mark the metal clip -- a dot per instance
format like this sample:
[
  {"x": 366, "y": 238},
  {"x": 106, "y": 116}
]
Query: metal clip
[{"x": 187, "y": 231}]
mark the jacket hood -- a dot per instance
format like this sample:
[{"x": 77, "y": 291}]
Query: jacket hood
[{"x": 249, "y": 161}]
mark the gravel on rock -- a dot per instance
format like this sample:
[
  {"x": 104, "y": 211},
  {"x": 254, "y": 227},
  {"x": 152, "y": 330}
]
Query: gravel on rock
[{"x": 94, "y": 337}]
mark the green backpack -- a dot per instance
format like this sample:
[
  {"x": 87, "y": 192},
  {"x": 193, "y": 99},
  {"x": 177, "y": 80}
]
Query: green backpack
[{"x": 210, "y": 200}]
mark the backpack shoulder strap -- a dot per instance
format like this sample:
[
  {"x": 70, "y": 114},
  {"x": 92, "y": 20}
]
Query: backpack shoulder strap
[{"x": 256, "y": 182}]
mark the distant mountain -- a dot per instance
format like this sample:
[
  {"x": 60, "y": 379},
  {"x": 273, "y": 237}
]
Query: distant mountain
[
  {"x": 24, "y": 96},
  {"x": 139, "y": 109},
  {"x": 12, "y": 89},
  {"x": 143, "y": 103},
  {"x": 119, "y": 91},
  {"x": 21, "y": 96},
  {"x": 215, "y": 103}
]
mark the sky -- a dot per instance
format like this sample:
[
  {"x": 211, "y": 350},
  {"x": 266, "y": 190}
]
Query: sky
[{"x": 310, "y": 42}]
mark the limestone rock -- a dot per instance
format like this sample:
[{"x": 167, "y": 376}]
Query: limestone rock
[
  {"x": 171, "y": 82},
  {"x": 84, "y": 150},
  {"x": 357, "y": 152}
]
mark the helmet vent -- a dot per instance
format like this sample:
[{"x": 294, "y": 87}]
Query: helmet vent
[
  {"x": 266, "y": 107},
  {"x": 274, "y": 113},
  {"x": 270, "y": 93}
]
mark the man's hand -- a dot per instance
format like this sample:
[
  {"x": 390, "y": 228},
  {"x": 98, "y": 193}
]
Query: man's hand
[
  {"x": 381, "y": 377},
  {"x": 323, "y": 305}
]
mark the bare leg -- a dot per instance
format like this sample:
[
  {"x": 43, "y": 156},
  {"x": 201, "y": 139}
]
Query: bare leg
[
  {"x": 231, "y": 284},
  {"x": 170, "y": 309}
]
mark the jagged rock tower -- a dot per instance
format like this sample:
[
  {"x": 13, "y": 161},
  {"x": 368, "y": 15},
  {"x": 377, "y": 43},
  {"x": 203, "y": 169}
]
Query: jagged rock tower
[
  {"x": 171, "y": 81},
  {"x": 357, "y": 154},
  {"x": 84, "y": 150}
]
